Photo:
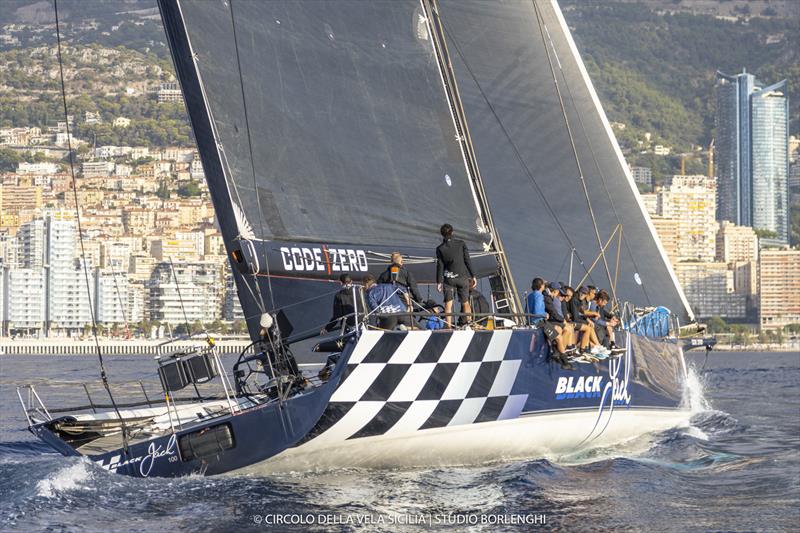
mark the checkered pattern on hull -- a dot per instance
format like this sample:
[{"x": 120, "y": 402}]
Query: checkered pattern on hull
[{"x": 401, "y": 382}]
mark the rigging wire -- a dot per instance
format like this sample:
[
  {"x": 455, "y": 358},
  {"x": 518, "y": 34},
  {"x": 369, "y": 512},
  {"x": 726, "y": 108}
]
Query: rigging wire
[
  {"x": 513, "y": 145},
  {"x": 252, "y": 161},
  {"x": 602, "y": 175},
  {"x": 119, "y": 299},
  {"x": 603, "y": 182},
  {"x": 542, "y": 30},
  {"x": 103, "y": 374}
]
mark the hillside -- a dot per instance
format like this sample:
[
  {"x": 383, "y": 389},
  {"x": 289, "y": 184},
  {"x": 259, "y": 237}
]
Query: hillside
[{"x": 658, "y": 68}]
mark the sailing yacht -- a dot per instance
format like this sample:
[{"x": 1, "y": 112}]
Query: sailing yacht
[{"x": 334, "y": 133}]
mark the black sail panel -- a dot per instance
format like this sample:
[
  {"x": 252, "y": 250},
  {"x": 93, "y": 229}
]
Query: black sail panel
[
  {"x": 351, "y": 133},
  {"x": 523, "y": 147},
  {"x": 319, "y": 122}
]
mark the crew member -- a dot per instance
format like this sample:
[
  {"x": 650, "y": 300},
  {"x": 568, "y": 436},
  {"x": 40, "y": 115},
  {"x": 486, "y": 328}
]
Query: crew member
[
  {"x": 536, "y": 302},
  {"x": 454, "y": 272},
  {"x": 399, "y": 275},
  {"x": 385, "y": 298},
  {"x": 343, "y": 306}
]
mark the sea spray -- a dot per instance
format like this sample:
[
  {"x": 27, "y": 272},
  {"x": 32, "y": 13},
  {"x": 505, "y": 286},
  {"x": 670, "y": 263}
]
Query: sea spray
[
  {"x": 693, "y": 393},
  {"x": 67, "y": 478}
]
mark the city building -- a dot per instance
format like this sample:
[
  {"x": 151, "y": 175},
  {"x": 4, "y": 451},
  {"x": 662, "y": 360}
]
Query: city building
[
  {"x": 691, "y": 201},
  {"x": 68, "y": 303},
  {"x": 169, "y": 92},
  {"x": 709, "y": 287},
  {"x": 97, "y": 169},
  {"x": 650, "y": 202},
  {"x": 642, "y": 175},
  {"x": 779, "y": 288},
  {"x": 23, "y": 301},
  {"x": 667, "y": 231},
  {"x": 736, "y": 243},
  {"x": 111, "y": 297},
  {"x": 197, "y": 295},
  {"x": 751, "y": 154}
]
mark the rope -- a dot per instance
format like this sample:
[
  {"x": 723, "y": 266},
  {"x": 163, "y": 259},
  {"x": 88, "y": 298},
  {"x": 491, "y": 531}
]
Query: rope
[
  {"x": 542, "y": 30},
  {"x": 103, "y": 374}
]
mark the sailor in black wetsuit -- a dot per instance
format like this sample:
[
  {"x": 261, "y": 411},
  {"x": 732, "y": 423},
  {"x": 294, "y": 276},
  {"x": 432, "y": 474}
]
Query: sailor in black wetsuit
[
  {"x": 398, "y": 275},
  {"x": 454, "y": 272},
  {"x": 343, "y": 306}
]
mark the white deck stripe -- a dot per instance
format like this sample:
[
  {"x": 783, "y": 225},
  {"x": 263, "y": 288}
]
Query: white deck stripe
[
  {"x": 468, "y": 411},
  {"x": 496, "y": 350},
  {"x": 410, "y": 386},
  {"x": 456, "y": 347},
  {"x": 461, "y": 381},
  {"x": 356, "y": 418},
  {"x": 367, "y": 341},
  {"x": 416, "y": 415},
  {"x": 504, "y": 380},
  {"x": 513, "y": 406},
  {"x": 357, "y": 383},
  {"x": 409, "y": 349}
]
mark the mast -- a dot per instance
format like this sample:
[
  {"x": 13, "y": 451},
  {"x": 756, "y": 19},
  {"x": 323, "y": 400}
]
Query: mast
[{"x": 506, "y": 281}]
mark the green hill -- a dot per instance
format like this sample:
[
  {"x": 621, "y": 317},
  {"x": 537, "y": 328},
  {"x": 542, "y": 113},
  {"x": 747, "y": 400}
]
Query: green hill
[{"x": 655, "y": 70}]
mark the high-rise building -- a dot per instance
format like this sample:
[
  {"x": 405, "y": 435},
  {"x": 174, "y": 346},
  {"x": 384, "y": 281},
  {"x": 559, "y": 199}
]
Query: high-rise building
[
  {"x": 736, "y": 243},
  {"x": 752, "y": 154},
  {"x": 779, "y": 288},
  {"x": 690, "y": 201},
  {"x": 23, "y": 301},
  {"x": 69, "y": 306},
  {"x": 709, "y": 287},
  {"x": 195, "y": 291}
]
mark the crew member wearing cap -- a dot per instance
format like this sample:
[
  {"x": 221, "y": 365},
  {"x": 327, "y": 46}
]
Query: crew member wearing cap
[
  {"x": 398, "y": 275},
  {"x": 454, "y": 272}
]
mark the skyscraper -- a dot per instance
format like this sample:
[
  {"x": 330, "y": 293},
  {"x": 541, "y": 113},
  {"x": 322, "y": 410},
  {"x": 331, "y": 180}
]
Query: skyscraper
[{"x": 752, "y": 154}]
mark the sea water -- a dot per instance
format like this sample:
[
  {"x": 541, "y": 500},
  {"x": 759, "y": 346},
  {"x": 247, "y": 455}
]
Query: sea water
[{"x": 736, "y": 467}]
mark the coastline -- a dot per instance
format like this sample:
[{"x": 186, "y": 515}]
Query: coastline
[{"x": 144, "y": 347}]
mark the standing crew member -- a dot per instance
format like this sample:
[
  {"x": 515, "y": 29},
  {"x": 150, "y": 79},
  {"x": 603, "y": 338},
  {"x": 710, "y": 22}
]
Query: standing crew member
[{"x": 454, "y": 272}]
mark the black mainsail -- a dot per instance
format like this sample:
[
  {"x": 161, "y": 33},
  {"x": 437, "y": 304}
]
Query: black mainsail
[
  {"x": 502, "y": 53},
  {"x": 321, "y": 124}
]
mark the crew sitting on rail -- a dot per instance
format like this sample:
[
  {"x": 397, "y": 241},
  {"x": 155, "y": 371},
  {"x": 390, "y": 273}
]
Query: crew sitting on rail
[
  {"x": 385, "y": 298},
  {"x": 557, "y": 330},
  {"x": 581, "y": 316},
  {"x": 535, "y": 303},
  {"x": 398, "y": 275},
  {"x": 606, "y": 321}
]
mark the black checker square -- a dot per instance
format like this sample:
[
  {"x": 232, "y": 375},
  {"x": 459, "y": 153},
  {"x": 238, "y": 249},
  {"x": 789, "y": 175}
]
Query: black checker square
[
  {"x": 434, "y": 347},
  {"x": 385, "y": 347},
  {"x": 443, "y": 414},
  {"x": 385, "y": 383},
  {"x": 438, "y": 381},
  {"x": 484, "y": 379}
]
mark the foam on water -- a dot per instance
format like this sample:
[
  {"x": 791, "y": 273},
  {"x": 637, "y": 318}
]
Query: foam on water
[{"x": 65, "y": 479}]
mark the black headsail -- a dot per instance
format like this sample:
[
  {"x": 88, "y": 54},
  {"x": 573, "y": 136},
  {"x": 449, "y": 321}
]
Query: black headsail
[
  {"x": 327, "y": 138},
  {"x": 505, "y": 55}
]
